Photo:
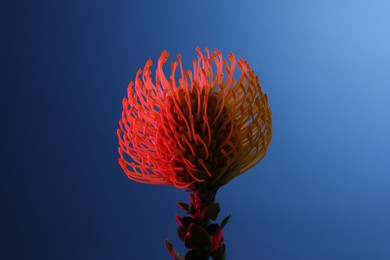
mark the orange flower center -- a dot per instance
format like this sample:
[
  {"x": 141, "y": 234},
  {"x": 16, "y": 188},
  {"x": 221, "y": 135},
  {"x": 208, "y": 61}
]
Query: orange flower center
[{"x": 195, "y": 135}]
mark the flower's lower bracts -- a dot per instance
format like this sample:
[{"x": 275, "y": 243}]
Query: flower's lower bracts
[{"x": 202, "y": 238}]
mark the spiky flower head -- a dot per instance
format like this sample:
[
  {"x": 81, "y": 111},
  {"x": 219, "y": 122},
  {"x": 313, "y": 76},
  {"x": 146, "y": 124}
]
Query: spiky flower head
[{"x": 205, "y": 127}]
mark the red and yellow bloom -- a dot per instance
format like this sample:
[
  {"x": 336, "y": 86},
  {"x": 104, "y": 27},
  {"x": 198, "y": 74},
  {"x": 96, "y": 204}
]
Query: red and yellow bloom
[{"x": 204, "y": 127}]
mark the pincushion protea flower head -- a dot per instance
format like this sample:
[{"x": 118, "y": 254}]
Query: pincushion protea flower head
[{"x": 205, "y": 127}]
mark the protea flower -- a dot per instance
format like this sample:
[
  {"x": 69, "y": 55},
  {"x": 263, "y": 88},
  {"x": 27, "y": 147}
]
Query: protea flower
[{"x": 198, "y": 131}]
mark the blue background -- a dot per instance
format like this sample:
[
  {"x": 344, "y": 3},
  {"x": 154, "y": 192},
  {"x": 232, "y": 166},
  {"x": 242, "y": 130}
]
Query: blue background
[{"x": 322, "y": 191}]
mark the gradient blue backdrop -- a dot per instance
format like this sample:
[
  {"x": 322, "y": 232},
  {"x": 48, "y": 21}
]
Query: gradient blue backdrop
[{"x": 322, "y": 191}]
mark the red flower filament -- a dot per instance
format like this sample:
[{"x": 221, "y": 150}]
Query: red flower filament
[{"x": 203, "y": 127}]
